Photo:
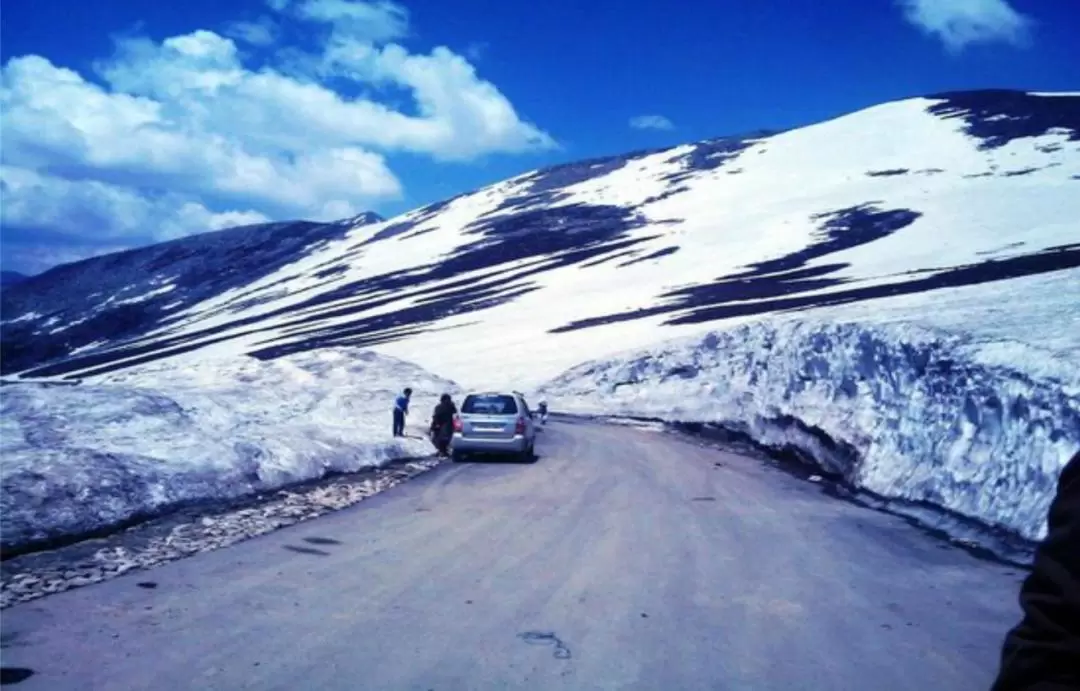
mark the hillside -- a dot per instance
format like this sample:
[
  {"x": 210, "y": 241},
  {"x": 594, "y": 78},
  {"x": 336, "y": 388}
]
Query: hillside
[
  {"x": 9, "y": 278},
  {"x": 551, "y": 267}
]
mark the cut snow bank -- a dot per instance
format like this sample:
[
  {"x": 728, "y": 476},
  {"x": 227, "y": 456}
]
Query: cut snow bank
[
  {"x": 77, "y": 459},
  {"x": 906, "y": 412}
]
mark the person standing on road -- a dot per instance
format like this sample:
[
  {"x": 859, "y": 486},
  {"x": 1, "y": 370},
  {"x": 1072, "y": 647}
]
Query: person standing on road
[
  {"x": 442, "y": 424},
  {"x": 1042, "y": 653},
  {"x": 401, "y": 409}
]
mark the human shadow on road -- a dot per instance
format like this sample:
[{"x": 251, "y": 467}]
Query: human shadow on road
[{"x": 322, "y": 541}]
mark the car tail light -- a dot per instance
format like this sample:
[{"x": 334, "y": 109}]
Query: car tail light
[
  {"x": 457, "y": 424},
  {"x": 519, "y": 426}
]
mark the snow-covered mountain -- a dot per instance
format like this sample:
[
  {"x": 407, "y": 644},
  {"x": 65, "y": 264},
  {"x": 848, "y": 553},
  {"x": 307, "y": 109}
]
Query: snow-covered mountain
[
  {"x": 894, "y": 293},
  {"x": 518, "y": 281}
]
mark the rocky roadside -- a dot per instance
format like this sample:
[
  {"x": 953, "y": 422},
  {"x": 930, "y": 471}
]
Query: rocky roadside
[{"x": 30, "y": 576}]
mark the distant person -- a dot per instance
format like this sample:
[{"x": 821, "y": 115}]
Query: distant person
[
  {"x": 401, "y": 409},
  {"x": 541, "y": 407},
  {"x": 1043, "y": 652},
  {"x": 442, "y": 424}
]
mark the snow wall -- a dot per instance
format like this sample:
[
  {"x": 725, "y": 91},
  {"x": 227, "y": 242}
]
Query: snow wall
[
  {"x": 78, "y": 459},
  {"x": 981, "y": 429}
]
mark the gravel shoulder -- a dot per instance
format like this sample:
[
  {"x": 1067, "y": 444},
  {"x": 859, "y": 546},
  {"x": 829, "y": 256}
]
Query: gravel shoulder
[{"x": 191, "y": 531}]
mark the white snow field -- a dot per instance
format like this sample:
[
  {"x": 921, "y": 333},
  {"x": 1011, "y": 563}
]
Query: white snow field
[
  {"x": 428, "y": 286},
  {"x": 78, "y": 458},
  {"x": 902, "y": 281},
  {"x": 967, "y": 399}
]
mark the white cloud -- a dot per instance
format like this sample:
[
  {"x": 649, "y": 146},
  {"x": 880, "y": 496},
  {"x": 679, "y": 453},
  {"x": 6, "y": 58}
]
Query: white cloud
[
  {"x": 959, "y": 23},
  {"x": 651, "y": 122},
  {"x": 108, "y": 217},
  {"x": 262, "y": 32},
  {"x": 107, "y": 214},
  {"x": 57, "y": 120},
  {"x": 377, "y": 22},
  {"x": 172, "y": 137},
  {"x": 450, "y": 99}
]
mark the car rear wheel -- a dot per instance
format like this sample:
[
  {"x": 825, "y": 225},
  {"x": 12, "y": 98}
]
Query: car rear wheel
[{"x": 457, "y": 456}]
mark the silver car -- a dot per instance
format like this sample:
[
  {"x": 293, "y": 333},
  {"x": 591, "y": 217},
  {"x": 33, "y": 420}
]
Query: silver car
[{"x": 494, "y": 423}]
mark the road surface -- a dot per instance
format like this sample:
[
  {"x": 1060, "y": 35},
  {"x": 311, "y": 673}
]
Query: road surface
[{"x": 622, "y": 559}]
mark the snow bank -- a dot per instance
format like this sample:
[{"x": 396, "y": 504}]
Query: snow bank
[
  {"x": 81, "y": 458},
  {"x": 904, "y": 411}
]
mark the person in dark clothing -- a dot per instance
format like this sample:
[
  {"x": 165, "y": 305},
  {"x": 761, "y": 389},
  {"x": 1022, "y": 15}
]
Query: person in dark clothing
[
  {"x": 1042, "y": 653},
  {"x": 401, "y": 409},
  {"x": 442, "y": 424}
]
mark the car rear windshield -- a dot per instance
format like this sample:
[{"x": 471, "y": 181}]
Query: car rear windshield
[{"x": 489, "y": 404}]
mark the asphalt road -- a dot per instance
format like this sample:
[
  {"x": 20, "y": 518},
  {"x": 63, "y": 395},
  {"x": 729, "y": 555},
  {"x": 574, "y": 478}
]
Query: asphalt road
[{"x": 622, "y": 559}]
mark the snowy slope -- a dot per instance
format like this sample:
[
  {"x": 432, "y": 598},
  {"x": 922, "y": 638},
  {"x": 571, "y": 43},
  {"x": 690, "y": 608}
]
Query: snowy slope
[
  {"x": 78, "y": 458},
  {"x": 104, "y": 299},
  {"x": 520, "y": 280}
]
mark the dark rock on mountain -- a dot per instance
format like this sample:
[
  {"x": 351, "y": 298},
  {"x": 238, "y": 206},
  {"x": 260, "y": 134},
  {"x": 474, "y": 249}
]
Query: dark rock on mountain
[{"x": 998, "y": 116}]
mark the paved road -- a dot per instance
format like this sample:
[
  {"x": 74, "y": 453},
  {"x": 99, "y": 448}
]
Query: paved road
[{"x": 623, "y": 559}]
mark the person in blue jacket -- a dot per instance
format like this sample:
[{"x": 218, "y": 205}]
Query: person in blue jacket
[{"x": 401, "y": 409}]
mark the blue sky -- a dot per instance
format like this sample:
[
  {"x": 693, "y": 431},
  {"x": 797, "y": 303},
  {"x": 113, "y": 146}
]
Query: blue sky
[{"x": 129, "y": 122}]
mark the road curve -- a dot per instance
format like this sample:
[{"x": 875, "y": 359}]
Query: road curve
[{"x": 622, "y": 559}]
